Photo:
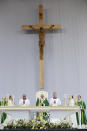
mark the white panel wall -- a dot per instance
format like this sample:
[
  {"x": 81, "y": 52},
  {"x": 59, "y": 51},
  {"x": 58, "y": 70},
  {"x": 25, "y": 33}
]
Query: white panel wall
[{"x": 65, "y": 50}]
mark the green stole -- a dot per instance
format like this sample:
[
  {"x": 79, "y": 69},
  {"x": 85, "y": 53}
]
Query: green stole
[{"x": 39, "y": 101}]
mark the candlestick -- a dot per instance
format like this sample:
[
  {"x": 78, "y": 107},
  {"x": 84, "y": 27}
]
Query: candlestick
[
  {"x": 13, "y": 100},
  {"x": 75, "y": 99},
  {"x": 70, "y": 100},
  {"x": 65, "y": 101}
]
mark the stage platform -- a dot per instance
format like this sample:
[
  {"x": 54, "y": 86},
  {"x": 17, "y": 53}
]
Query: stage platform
[{"x": 45, "y": 130}]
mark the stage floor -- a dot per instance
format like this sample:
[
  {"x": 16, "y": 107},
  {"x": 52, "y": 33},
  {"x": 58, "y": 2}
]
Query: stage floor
[{"x": 44, "y": 130}]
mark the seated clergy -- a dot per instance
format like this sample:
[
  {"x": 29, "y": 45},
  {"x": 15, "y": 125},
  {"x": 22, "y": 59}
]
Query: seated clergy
[
  {"x": 24, "y": 101},
  {"x": 54, "y": 101},
  {"x": 42, "y": 101},
  {"x": 10, "y": 101}
]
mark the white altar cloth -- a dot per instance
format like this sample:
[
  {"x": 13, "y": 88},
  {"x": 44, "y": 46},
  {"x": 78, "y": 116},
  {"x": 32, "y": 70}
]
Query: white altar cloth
[
  {"x": 37, "y": 108},
  {"x": 22, "y": 112}
]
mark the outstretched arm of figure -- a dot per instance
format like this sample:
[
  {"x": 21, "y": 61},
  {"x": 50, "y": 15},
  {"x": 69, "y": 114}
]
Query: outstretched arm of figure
[
  {"x": 49, "y": 28},
  {"x": 32, "y": 27}
]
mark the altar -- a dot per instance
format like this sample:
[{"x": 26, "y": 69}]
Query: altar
[{"x": 22, "y": 112}]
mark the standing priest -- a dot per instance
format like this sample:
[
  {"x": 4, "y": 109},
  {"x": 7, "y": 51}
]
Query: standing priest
[
  {"x": 83, "y": 114},
  {"x": 55, "y": 101}
]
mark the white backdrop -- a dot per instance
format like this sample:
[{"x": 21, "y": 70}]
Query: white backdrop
[{"x": 65, "y": 50}]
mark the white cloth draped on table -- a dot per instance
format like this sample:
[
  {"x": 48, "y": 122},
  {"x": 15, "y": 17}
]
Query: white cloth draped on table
[{"x": 27, "y": 102}]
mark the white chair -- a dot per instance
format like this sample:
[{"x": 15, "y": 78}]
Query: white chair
[{"x": 39, "y": 93}]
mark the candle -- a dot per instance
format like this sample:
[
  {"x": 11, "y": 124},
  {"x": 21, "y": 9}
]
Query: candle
[
  {"x": 70, "y": 100},
  {"x": 13, "y": 100},
  {"x": 65, "y": 101}
]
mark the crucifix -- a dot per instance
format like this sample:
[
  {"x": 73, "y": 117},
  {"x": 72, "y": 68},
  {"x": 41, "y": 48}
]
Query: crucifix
[{"x": 41, "y": 29}]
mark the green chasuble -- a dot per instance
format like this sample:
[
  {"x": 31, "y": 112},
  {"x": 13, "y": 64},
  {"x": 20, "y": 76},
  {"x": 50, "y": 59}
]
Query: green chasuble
[
  {"x": 0, "y": 103},
  {"x": 3, "y": 115},
  {"x": 44, "y": 102},
  {"x": 83, "y": 114},
  {"x": 3, "y": 103},
  {"x": 41, "y": 102}
]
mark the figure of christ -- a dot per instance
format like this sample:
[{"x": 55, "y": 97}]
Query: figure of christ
[{"x": 41, "y": 33}]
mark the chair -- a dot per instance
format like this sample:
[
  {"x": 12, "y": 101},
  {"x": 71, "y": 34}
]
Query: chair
[{"x": 39, "y": 93}]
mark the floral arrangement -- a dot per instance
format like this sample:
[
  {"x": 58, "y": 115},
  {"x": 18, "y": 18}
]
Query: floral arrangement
[{"x": 34, "y": 124}]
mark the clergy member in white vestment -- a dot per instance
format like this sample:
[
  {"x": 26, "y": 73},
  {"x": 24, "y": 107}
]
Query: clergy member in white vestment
[
  {"x": 10, "y": 101},
  {"x": 72, "y": 101},
  {"x": 72, "y": 118},
  {"x": 24, "y": 101},
  {"x": 54, "y": 101}
]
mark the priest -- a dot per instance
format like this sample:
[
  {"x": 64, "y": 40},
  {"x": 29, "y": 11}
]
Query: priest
[
  {"x": 10, "y": 101},
  {"x": 83, "y": 114},
  {"x": 72, "y": 102},
  {"x": 42, "y": 101},
  {"x": 4, "y": 102},
  {"x": 72, "y": 117},
  {"x": 24, "y": 101},
  {"x": 55, "y": 101}
]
